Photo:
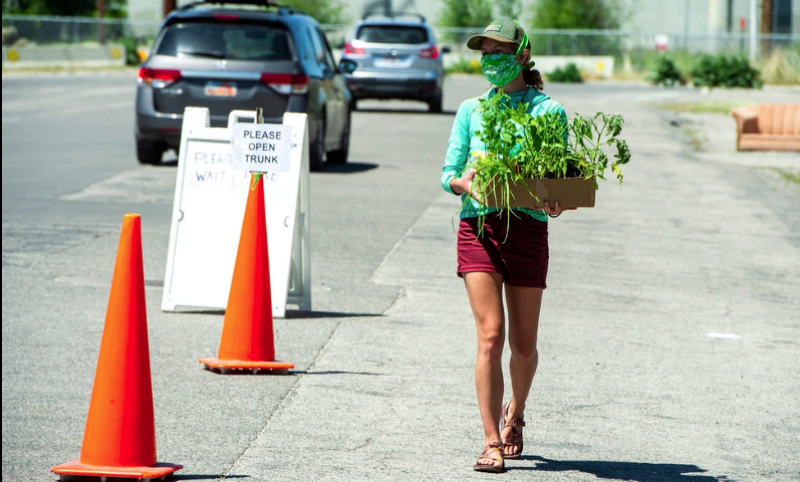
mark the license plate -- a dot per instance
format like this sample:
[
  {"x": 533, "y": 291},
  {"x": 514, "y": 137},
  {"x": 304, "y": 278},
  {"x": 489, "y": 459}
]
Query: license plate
[
  {"x": 221, "y": 89},
  {"x": 390, "y": 62}
]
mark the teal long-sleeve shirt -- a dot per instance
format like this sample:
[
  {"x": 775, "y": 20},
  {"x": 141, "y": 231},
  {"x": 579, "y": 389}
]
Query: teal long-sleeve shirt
[{"x": 464, "y": 140}]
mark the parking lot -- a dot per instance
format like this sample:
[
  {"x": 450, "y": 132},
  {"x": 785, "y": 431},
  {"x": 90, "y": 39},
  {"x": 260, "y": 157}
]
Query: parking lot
[{"x": 669, "y": 335}]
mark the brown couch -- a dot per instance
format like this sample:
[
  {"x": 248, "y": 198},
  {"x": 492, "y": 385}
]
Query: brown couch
[{"x": 768, "y": 127}]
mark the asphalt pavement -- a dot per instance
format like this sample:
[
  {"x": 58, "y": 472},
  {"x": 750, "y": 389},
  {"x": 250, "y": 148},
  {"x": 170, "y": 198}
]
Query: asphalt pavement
[{"x": 669, "y": 339}]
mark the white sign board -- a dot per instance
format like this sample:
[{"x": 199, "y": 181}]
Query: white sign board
[
  {"x": 210, "y": 199},
  {"x": 261, "y": 147}
]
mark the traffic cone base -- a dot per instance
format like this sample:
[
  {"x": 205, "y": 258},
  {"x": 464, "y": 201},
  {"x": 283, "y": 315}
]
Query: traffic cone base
[
  {"x": 76, "y": 468},
  {"x": 248, "y": 342},
  {"x": 120, "y": 436},
  {"x": 225, "y": 366}
]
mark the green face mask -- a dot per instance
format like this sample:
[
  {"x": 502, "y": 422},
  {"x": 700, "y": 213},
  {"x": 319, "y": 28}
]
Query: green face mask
[{"x": 500, "y": 69}]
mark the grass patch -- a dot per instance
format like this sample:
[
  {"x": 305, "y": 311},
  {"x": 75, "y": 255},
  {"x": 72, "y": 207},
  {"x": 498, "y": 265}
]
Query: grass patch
[
  {"x": 698, "y": 143},
  {"x": 704, "y": 107},
  {"x": 787, "y": 176}
]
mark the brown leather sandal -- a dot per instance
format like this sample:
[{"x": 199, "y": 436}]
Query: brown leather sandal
[
  {"x": 493, "y": 451},
  {"x": 515, "y": 438}
]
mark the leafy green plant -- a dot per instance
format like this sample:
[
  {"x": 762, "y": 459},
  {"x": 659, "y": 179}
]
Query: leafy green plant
[
  {"x": 569, "y": 73},
  {"x": 725, "y": 71},
  {"x": 666, "y": 73},
  {"x": 521, "y": 146}
]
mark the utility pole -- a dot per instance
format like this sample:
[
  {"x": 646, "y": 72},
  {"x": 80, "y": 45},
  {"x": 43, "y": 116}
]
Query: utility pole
[
  {"x": 753, "y": 30},
  {"x": 766, "y": 24},
  {"x": 101, "y": 28},
  {"x": 168, "y": 6}
]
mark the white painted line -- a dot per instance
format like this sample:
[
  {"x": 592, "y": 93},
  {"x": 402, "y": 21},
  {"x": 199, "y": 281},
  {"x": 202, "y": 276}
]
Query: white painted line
[{"x": 724, "y": 336}]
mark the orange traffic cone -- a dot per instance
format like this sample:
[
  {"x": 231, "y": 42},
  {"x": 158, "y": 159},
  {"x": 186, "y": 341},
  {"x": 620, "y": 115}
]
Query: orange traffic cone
[
  {"x": 120, "y": 436},
  {"x": 247, "y": 340}
]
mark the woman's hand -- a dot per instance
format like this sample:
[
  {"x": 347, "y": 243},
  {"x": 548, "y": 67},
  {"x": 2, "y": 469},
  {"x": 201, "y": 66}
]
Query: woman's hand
[
  {"x": 466, "y": 183},
  {"x": 556, "y": 210}
]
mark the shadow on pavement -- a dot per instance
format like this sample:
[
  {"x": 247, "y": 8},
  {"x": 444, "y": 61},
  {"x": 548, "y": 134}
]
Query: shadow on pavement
[
  {"x": 332, "y": 372},
  {"x": 632, "y": 471},
  {"x": 329, "y": 314},
  {"x": 348, "y": 168},
  {"x": 376, "y": 110},
  {"x": 172, "y": 162},
  {"x": 206, "y": 477}
]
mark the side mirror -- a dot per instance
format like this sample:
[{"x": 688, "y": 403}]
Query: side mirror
[
  {"x": 347, "y": 66},
  {"x": 340, "y": 45},
  {"x": 446, "y": 49}
]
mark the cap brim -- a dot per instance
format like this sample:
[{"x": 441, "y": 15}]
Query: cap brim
[{"x": 475, "y": 42}]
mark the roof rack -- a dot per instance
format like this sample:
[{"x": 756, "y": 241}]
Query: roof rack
[
  {"x": 375, "y": 13},
  {"x": 282, "y": 9}
]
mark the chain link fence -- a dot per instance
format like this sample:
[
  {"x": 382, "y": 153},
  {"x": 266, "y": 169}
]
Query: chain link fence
[
  {"x": 24, "y": 31},
  {"x": 637, "y": 47}
]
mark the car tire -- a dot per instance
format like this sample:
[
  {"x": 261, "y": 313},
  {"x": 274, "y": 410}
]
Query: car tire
[
  {"x": 317, "y": 157},
  {"x": 149, "y": 152},
  {"x": 435, "y": 103},
  {"x": 353, "y": 104},
  {"x": 339, "y": 156}
]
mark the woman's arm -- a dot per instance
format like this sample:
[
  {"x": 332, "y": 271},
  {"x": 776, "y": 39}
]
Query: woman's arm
[{"x": 454, "y": 179}]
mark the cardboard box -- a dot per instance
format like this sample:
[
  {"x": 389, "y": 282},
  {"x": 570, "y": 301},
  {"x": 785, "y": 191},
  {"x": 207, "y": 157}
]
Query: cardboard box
[{"x": 570, "y": 193}]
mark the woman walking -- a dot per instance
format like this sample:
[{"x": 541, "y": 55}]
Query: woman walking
[{"x": 510, "y": 254}]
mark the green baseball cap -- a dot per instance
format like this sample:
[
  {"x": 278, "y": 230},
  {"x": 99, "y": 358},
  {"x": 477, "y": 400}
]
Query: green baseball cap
[{"x": 503, "y": 30}]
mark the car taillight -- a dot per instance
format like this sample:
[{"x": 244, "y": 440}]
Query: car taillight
[
  {"x": 286, "y": 83},
  {"x": 349, "y": 49},
  {"x": 431, "y": 52},
  {"x": 164, "y": 76}
]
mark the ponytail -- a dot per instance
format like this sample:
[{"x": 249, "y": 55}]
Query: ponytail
[{"x": 533, "y": 78}]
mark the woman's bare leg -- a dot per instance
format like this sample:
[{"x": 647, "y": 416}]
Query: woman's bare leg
[
  {"x": 523, "y": 326},
  {"x": 485, "y": 291}
]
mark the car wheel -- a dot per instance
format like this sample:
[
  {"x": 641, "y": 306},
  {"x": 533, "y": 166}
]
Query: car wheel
[
  {"x": 435, "y": 103},
  {"x": 149, "y": 152},
  {"x": 353, "y": 104},
  {"x": 339, "y": 156},
  {"x": 317, "y": 157}
]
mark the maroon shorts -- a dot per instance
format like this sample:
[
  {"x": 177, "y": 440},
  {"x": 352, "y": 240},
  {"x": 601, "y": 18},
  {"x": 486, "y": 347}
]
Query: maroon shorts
[{"x": 521, "y": 257}]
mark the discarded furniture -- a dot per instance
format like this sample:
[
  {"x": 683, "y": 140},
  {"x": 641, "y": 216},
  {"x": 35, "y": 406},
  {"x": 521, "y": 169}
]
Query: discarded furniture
[{"x": 768, "y": 127}]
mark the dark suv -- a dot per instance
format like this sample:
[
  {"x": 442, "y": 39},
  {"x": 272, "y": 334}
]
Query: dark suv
[{"x": 276, "y": 58}]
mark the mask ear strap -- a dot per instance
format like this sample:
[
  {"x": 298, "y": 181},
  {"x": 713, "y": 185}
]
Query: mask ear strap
[{"x": 524, "y": 42}]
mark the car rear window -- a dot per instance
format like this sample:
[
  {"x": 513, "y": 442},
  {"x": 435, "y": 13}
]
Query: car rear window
[
  {"x": 392, "y": 34},
  {"x": 233, "y": 41}
]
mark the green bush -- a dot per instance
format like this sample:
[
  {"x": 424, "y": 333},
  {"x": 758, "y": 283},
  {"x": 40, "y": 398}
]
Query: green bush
[
  {"x": 725, "y": 71},
  {"x": 666, "y": 73},
  {"x": 131, "y": 45},
  {"x": 576, "y": 15},
  {"x": 570, "y": 73}
]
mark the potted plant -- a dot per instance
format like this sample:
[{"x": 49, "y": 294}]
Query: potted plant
[{"x": 530, "y": 160}]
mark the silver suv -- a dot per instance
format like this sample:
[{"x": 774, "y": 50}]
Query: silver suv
[{"x": 397, "y": 59}]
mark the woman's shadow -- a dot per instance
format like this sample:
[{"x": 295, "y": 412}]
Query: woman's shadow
[{"x": 633, "y": 471}]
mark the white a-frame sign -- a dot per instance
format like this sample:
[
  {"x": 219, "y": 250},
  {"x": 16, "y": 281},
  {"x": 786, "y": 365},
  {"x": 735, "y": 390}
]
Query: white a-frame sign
[{"x": 208, "y": 211}]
